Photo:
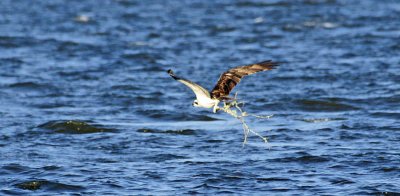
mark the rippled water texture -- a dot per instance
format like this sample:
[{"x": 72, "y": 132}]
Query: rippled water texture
[{"x": 87, "y": 107}]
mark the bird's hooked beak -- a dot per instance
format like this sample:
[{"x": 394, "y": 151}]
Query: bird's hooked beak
[{"x": 171, "y": 73}]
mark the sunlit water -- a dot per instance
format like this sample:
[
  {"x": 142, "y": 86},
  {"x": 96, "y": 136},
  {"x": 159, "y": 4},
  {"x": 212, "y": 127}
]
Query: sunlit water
[{"x": 87, "y": 107}]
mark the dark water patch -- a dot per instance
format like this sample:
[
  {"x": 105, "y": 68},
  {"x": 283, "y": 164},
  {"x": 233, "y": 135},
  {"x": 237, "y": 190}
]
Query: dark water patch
[
  {"x": 72, "y": 46},
  {"x": 348, "y": 135},
  {"x": 14, "y": 168},
  {"x": 272, "y": 179},
  {"x": 286, "y": 134},
  {"x": 127, "y": 3},
  {"x": 207, "y": 186},
  {"x": 304, "y": 159},
  {"x": 15, "y": 41},
  {"x": 29, "y": 85},
  {"x": 392, "y": 115},
  {"x": 319, "y": 120},
  {"x": 281, "y": 189},
  {"x": 143, "y": 56},
  {"x": 313, "y": 159},
  {"x": 215, "y": 29},
  {"x": 153, "y": 174},
  {"x": 368, "y": 126},
  {"x": 47, "y": 186},
  {"x": 126, "y": 87},
  {"x": 51, "y": 168},
  {"x": 130, "y": 16},
  {"x": 79, "y": 75},
  {"x": 341, "y": 181},
  {"x": 53, "y": 105},
  {"x": 198, "y": 163},
  {"x": 234, "y": 177},
  {"x": 147, "y": 99},
  {"x": 73, "y": 127},
  {"x": 389, "y": 128},
  {"x": 171, "y": 115},
  {"x": 105, "y": 160},
  {"x": 339, "y": 166},
  {"x": 111, "y": 148},
  {"x": 164, "y": 157},
  {"x": 176, "y": 132},
  {"x": 384, "y": 102},
  {"x": 390, "y": 169},
  {"x": 11, "y": 63},
  {"x": 214, "y": 141},
  {"x": 156, "y": 68},
  {"x": 32, "y": 89},
  {"x": 323, "y": 106},
  {"x": 258, "y": 4},
  {"x": 282, "y": 137},
  {"x": 326, "y": 129}
]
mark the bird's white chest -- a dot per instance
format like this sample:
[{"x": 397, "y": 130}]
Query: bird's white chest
[{"x": 206, "y": 102}]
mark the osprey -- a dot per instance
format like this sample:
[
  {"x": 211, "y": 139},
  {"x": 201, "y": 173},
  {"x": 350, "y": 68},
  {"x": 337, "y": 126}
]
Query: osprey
[{"x": 227, "y": 81}]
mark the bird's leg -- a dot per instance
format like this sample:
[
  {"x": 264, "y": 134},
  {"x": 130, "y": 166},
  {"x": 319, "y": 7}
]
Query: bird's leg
[{"x": 215, "y": 108}]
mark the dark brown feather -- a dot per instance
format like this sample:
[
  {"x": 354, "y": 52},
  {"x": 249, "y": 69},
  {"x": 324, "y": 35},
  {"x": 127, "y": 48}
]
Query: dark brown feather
[{"x": 228, "y": 80}]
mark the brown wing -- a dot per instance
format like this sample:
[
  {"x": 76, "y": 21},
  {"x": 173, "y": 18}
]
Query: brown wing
[{"x": 228, "y": 80}]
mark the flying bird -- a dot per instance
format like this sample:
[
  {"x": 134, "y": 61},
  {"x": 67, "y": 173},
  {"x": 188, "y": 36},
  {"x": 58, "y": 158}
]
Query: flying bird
[{"x": 227, "y": 81}]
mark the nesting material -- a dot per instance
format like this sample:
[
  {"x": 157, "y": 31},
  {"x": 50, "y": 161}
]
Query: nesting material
[{"x": 232, "y": 108}]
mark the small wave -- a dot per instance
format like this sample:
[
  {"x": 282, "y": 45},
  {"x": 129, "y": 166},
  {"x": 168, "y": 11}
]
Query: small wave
[
  {"x": 318, "y": 105},
  {"x": 177, "y": 132},
  {"x": 304, "y": 159},
  {"x": 393, "y": 115},
  {"x": 24, "y": 85},
  {"x": 14, "y": 168},
  {"x": 11, "y": 61},
  {"x": 390, "y": 169},
  {"x": 262, "y": 4},
  {"x": 367, "y": 126},
  {"x": 34, "y": 87},
  {"x": 312, "y": 159},
  {"x": 125, "y": 87},
  {"x": 341, "y": 181},
  {"x": 164, "y": 157},
  {"x": 214, "y": 141},
  {"x": 164, "y": 115},
  {"x": 73, "y": 127},
  {"x": 318, "y": 120},
  {"x": 272, "y": 179},
  {"x": 142, "y": 56},
  {"x": 16, "y": 41}
]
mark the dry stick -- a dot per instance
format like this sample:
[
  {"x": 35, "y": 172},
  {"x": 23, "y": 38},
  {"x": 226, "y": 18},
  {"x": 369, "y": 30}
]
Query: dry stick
[{"x": 246, "y": 129}]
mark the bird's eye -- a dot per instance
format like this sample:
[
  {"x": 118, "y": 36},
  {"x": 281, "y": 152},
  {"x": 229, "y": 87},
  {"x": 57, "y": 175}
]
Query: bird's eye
[{"x": 196, "y": 103}]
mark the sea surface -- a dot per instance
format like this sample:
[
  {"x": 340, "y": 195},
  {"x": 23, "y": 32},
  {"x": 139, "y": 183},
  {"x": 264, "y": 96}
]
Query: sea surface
[{"x": 87, "y": 108}]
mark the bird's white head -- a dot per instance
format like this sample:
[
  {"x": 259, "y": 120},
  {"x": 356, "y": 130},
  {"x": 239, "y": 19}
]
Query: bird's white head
[{"x": 195, "y": 103}]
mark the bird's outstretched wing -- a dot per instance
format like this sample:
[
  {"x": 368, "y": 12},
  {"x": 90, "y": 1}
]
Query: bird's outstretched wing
[
  {"x": 228, "y": 80},
  {"x": 197, "y": 89}
]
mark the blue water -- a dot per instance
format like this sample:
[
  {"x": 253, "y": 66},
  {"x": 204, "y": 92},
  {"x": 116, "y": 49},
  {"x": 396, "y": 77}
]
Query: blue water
[{"x": 87, "y": 107}]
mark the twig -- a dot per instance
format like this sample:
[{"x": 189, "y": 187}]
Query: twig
[{"x": 232, "y": 108}]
